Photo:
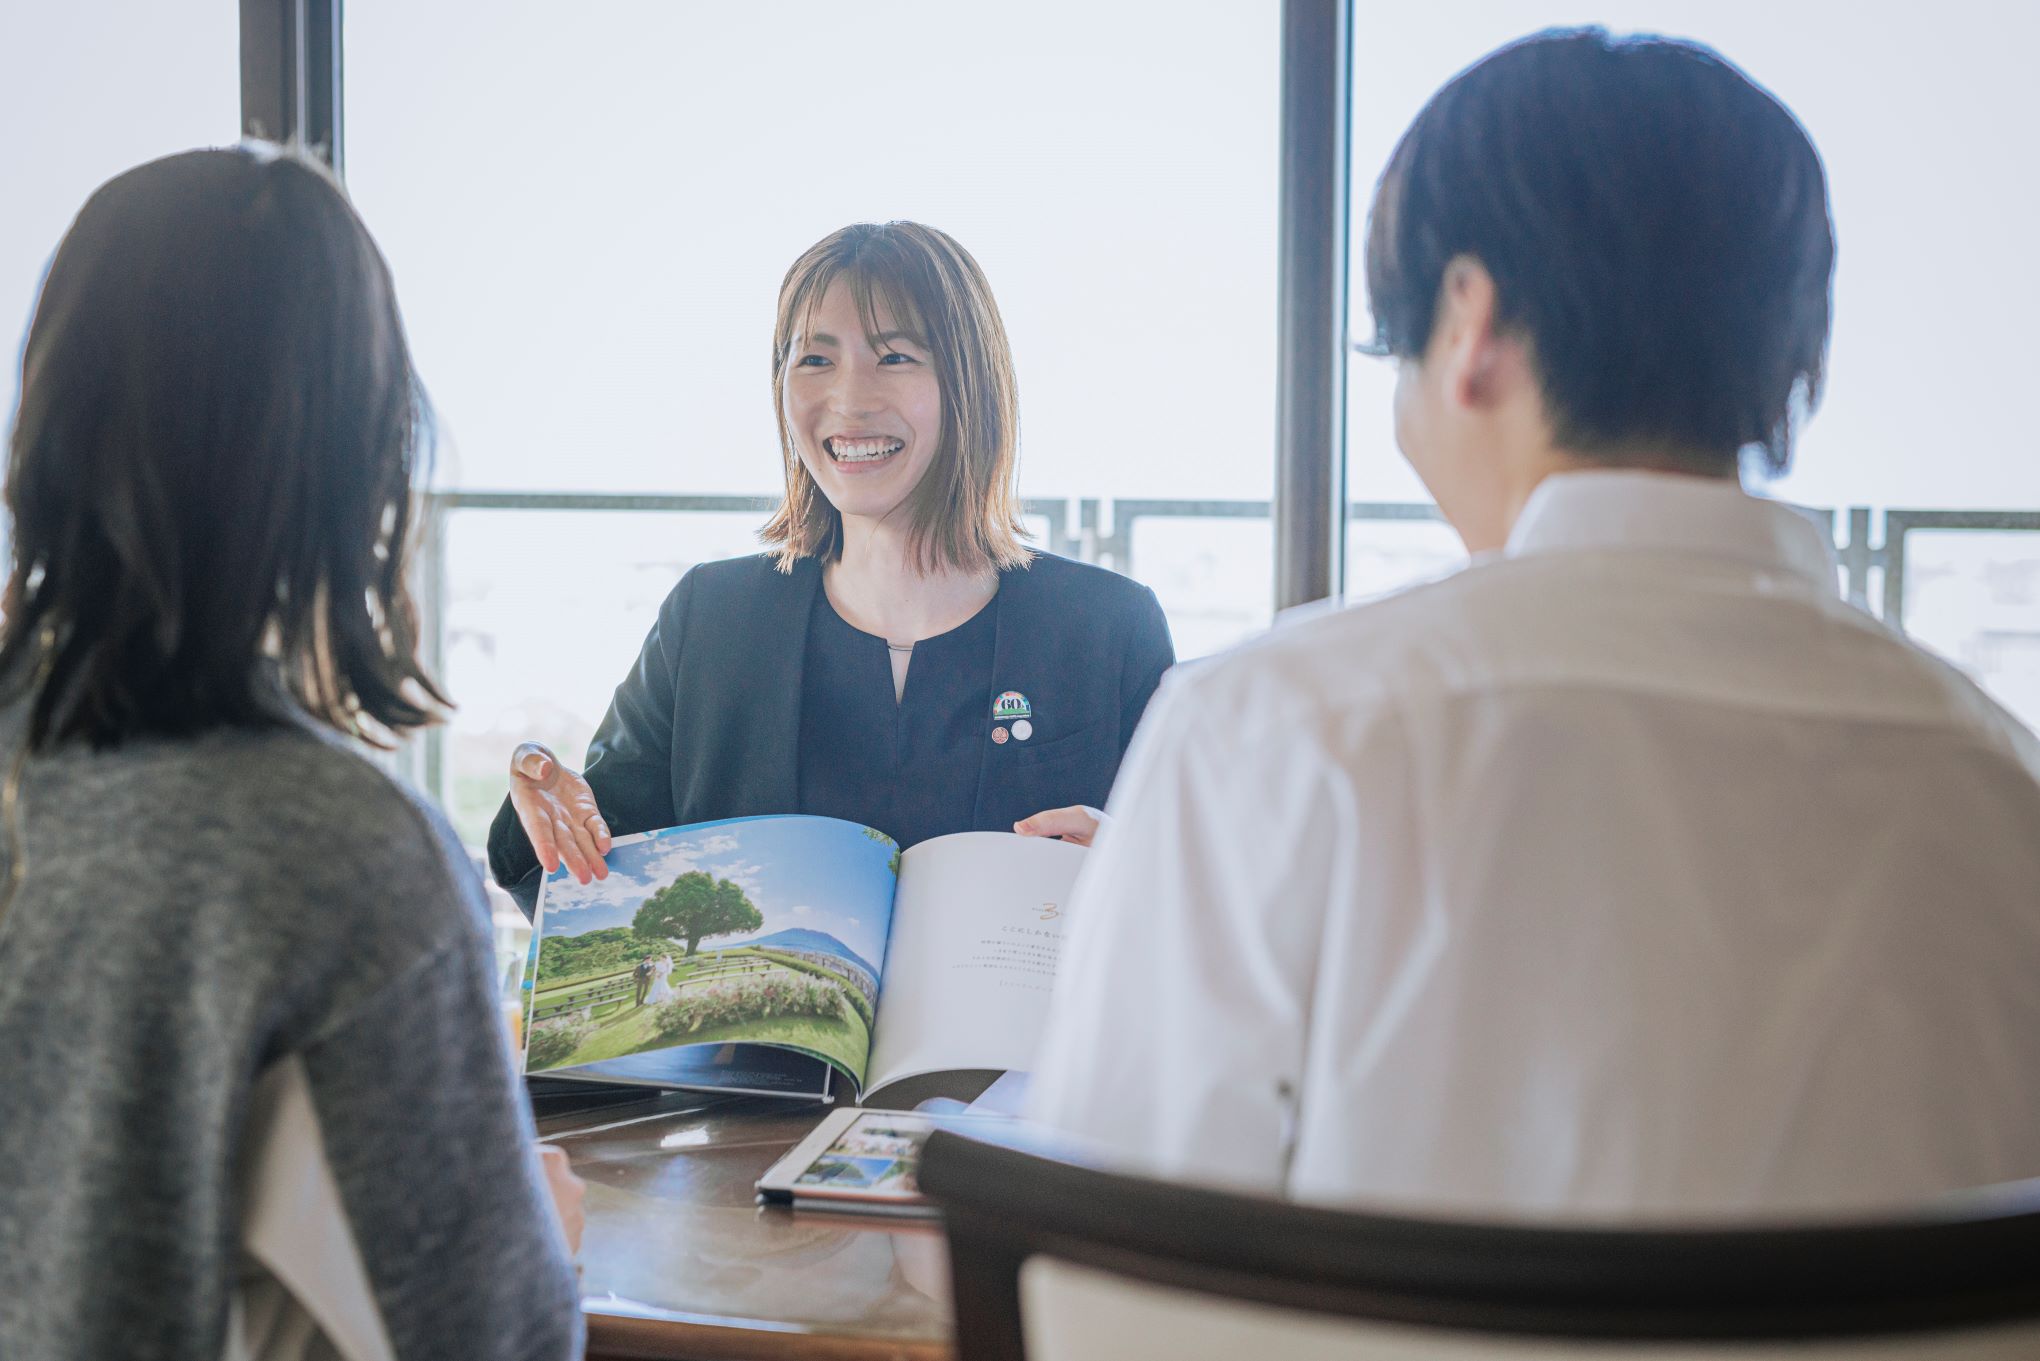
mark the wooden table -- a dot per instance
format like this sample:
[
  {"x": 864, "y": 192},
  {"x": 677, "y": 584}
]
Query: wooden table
[{"x": 679, "y": 1261}]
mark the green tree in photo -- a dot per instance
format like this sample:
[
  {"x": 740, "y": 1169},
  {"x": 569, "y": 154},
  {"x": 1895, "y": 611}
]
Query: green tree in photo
[
  {"x": 873, "y": 834},
  {"x": 694, "y": 907},
  {"x": 733, "y": 905},
  {"x": 610, "y": 950}
]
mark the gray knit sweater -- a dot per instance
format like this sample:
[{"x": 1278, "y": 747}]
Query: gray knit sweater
[{"x": 194, "y": 912}]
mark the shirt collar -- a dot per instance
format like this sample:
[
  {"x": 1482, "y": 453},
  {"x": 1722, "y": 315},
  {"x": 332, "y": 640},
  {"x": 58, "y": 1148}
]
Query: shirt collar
[{"x": 1669, "y": 513}]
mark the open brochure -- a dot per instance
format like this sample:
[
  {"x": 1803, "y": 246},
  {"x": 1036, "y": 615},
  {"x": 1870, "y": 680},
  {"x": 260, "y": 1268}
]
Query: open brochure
[
  {"x": 862, "y": 1162},
  {"x": 761, "y": 954}
]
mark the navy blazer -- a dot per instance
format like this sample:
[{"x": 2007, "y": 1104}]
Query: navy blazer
[{"x": 707, "y": 724}]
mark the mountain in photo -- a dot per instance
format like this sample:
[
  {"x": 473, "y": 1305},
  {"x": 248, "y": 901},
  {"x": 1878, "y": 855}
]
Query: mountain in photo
[{"x": 800, "y": 938}]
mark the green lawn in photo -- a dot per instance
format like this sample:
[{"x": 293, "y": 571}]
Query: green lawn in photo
[
  {"x": 623, "y": 1028},
  {"x": 555, "y": 991},
  {"x": 572, "y": 991},
  {"x": 576, "y": 992},
  {"x": 844, "y": 1042},
  {"x": 681, "y": 967}
]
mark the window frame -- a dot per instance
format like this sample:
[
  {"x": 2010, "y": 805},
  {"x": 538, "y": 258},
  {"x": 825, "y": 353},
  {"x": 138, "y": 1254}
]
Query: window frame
[
  {"x": 293, "y": 90},
  {"x": 292, "y": 84}
]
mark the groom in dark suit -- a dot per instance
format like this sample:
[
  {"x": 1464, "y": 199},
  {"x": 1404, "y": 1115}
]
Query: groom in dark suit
[{"x": 641, "y": 978}]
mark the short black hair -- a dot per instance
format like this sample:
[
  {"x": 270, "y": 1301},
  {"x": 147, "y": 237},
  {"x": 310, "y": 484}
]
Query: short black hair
[
  {"x": 1656, "y": 226},
  {"x": 211, "y": 468}
]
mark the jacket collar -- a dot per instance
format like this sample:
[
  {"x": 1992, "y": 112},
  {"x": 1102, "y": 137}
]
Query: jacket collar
[{"x": 763, "y": 717}]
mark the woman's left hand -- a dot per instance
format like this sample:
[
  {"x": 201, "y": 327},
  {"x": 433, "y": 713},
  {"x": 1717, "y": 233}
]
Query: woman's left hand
[
  {"x": 1075, "y": 824},
  {"x": 567, "y": 1192}
]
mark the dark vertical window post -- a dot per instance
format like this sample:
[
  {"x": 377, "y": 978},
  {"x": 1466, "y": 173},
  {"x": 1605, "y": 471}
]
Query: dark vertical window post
[
  {"x": 290, "y": 74},
  {"x": 1310, "y": 367},
  {"x": 291, "y": 93}
]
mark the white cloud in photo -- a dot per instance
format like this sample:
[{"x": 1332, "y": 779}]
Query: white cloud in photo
[
  {"x": 643, "y": 867},
  {"x": 663, "y": 863},
  {"x": 651, "y": 866},
  {"x": 567, "y": 896},
  {"x": 801, "y": 909},
  {"x": 555, "y": 904},
  {"x": 743, "y": 874}
]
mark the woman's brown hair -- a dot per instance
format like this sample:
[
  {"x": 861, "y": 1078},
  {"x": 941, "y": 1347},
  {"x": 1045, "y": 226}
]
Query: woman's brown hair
[
  {"x": 964, "y": 516},
  {"x": 210, "y": 476}
]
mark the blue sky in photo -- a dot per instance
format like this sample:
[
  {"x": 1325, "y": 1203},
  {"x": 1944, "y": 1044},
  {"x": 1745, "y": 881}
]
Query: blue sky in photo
[{"x": 816, "y": 874}]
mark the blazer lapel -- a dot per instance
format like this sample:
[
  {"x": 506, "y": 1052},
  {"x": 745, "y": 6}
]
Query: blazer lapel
[
  {"x": 767, "y": 743},
  {"x": 1014, "y": 604},
  {"x": 742, "y": 708}
]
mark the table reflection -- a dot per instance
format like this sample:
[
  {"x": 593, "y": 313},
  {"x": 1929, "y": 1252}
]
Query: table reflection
[{"x": 676, "y": 1242}]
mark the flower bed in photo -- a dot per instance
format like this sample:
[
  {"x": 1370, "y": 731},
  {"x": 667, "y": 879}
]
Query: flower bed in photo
[
  {"x": 752, "y": 999},
  {"x": 552, "y": 1041}
]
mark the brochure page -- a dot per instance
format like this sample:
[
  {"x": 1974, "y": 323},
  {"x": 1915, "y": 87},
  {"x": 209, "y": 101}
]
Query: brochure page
[
  {"x": 865, "y": 1162},
  {"x": 706, "y": 941},
  {"x": 977, "y": 931}
]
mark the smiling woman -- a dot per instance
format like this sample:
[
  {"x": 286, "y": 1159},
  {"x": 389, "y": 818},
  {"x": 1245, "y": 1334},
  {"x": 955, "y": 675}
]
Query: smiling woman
[
  {"x": 899, "y": 659},
  {"x": 879, "y": 329}
]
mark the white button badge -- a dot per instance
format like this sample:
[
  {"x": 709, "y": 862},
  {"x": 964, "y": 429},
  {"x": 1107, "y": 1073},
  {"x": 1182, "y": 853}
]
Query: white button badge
[{"x": 1022, "y": 730}]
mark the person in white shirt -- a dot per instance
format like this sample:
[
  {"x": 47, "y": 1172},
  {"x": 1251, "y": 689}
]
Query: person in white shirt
[{"x": 1629, "y": 872}]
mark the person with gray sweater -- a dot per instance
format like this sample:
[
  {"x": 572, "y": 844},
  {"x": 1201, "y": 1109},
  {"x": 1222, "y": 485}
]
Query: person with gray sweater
[{"x": 256, "y": 1098}]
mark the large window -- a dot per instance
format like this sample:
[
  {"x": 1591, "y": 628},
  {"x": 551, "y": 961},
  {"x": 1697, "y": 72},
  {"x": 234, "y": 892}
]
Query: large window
[
  {"x": 87, "y": 91},
  {"x": 1921, "y": 448},
  {"x": 589, "y": 209}
]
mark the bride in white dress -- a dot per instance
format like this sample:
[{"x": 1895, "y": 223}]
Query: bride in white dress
[{"x": 661, "y": 990}]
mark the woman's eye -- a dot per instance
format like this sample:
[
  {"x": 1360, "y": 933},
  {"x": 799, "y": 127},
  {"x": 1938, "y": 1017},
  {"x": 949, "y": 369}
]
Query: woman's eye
[
  {"x": 895, "y": 358},
  {"x": 810, "y": 361}
]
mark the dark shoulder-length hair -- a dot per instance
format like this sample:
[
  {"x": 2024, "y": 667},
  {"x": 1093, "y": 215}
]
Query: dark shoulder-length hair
[
  {"x": 210, "y": 474},
  {"x": 965, "y": 514}
]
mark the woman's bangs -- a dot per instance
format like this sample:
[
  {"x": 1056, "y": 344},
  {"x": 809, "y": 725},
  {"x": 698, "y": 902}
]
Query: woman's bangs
[{"x": 877, "y": 289}]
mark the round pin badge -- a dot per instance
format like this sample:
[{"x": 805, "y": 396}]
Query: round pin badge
[
  {"x": 999, "y": 736},
  {"x": 1022, "y": 730}
]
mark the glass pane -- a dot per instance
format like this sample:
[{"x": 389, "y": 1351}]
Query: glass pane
[
  {"x": 536, "y": 641},
  {"x": 1211, "y": 575},
  {"x": 589, "y": 210},
  {"x": 87, "y": 91},
  {"x": 1974, "y": 597},
  {"x": 1932, "y": 196},
  {"x": 1388, "y": 549}
]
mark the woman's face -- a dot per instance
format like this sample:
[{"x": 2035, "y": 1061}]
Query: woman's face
[{"x": 865, "y": 412}]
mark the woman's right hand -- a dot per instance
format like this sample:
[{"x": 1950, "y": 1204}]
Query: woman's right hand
[{"x": 559, "y": 814}]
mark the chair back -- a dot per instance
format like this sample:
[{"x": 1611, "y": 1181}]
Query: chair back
[
  {"x": 303, "y": 1292},
  {"x": 1053, "y": 1260}
]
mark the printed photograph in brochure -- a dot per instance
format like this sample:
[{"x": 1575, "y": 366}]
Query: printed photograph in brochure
[
  {"x": 762, "y": 954},
  {"x": 767, "y": 931}
]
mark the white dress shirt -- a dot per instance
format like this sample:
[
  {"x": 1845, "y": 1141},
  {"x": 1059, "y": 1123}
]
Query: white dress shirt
[{"x": 1626, "y": 872}]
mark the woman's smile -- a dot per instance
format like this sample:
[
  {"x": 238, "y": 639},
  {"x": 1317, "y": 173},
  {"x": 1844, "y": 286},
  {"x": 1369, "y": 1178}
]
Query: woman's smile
[{"x": 860, "y": 451}]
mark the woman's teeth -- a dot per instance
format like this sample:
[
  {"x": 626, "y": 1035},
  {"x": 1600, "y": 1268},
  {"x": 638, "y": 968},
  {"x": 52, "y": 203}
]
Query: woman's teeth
[{"x": 862, "y": 450}]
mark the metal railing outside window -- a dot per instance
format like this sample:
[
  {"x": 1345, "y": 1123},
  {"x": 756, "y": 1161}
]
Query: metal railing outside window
[
  {"x": 1965, "y": 581},
  {"x": 1874, "y": 550}
]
